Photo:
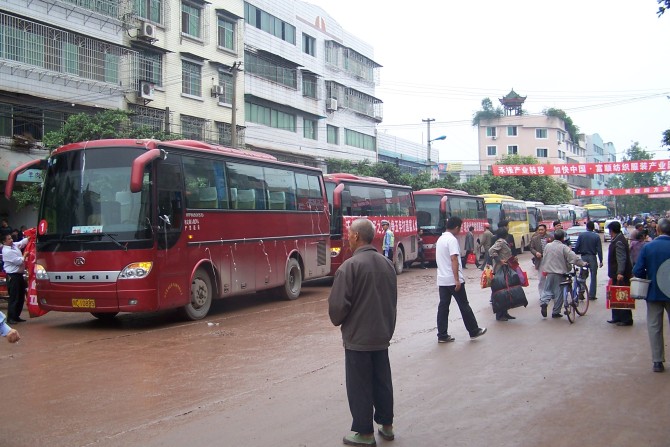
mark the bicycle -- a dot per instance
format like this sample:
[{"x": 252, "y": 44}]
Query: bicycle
[{"x": 575, "y": 292}]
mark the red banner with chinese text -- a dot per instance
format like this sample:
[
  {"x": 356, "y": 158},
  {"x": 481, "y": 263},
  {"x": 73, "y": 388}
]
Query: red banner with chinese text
[
  {"x": 622, "y": 191},
  {"x": 619, "y": 167}
]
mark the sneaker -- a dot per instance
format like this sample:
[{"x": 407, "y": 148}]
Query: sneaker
[
  {"x": 386, "y": 432},
  {"x": 543, "y": 310},
  {"x": 479, "y": 333},
  {"x": 359, "y": 439},
  {"x": 448, "y": 339}
]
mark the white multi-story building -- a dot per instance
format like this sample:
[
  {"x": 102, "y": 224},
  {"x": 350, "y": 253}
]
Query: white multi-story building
[
  {"x": 309, "y": 85},
  {"x": 597, "y": 151}
]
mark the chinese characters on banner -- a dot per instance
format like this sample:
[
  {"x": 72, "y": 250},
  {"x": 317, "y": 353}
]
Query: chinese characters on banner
[
  {"x": 623, "y": 191},
  {"x": 619, "y": 167}
]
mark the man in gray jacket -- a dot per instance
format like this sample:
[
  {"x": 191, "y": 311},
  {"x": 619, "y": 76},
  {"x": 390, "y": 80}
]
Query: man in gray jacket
[
  {"x": 363, "y": 301},
  {"x": 556, "y": 262}
]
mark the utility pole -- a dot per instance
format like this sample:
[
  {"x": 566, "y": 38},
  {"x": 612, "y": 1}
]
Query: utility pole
[
  {"x": 233, "y": 118},
  {"x": 428, "y": 121}
]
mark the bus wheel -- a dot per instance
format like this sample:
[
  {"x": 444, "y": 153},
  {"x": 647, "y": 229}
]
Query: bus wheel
[
  {"x": 105, "y": 316},
  {"x": 399, "y": 261},
  {"x": 201, "y": 296},
  {"x": 292, "y": 280}
]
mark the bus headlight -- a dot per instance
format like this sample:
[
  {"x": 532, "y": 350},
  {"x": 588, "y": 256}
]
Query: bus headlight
[
  {"x": 40, "y": 272},
  {"x": 136, "y": 270},
  {"x": 334, "y": 251}
]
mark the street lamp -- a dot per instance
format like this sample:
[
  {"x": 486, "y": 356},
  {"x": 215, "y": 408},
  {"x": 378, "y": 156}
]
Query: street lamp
[{"x": 441, "y": 137}]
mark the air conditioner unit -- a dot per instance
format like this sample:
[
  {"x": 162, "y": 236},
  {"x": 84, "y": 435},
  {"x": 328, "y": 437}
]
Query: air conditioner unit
[
  {"x": 146, "y": 90},
  {"x": 147, "y": 31},
  {"x": 493, "y": 137},
  {"x": 217, "y": 90},
  {"x": 331, "y": 104}
]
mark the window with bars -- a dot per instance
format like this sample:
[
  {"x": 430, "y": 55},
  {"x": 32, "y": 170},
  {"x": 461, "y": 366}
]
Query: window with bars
[
  {"x": 270, "y": 70},
  {"x": 149, "y": 117},
  {"x": 193, "y": 128},
  {"x": 191, "y": 20},
  {"x": 226, "y": 33},
  {"x": 151, "y": 67},
  {"x": 191, "y": 82}
]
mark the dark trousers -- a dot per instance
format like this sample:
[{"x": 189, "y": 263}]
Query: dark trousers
[
  {"x": 446, "y": 292},
  {"x": 16, "y": 287},
  {"x": 622, "y": 315},
  {"x": 369, "y": 389},
  {"x": 593, "y": 271}
]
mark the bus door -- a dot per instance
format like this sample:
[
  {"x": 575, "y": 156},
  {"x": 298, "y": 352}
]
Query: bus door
[{"x": 171, "y": 257}]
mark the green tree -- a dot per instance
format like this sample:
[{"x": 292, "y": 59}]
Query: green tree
[
  {"x": 638, "y": 203},
  {"x": 570, "y": 127},
  {"x": 101, "y": 125},
  {"x": 488, "y": 112},
  {"x": 666, "y": 136},
  {"x": 536, "y": 188}
]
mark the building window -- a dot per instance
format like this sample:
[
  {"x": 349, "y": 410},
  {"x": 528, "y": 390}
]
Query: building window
[
  {"x": 309, "y": 129},
  {"x": 512, "y": 131},
  {"x": 309, "y": 83},
  {"x": 541, "y": 133},
  {"x": 191, "y": 20},
  {"x": 191, "y": 78},
  {"x": 271, "y": 70},
  {"x": 268, "y": 116},
  {"x": 226, "y": 81},
  {"x": 491, "y": 151},
  {"x": 149, "y": 117},
  {"x": 561, "y": 154},
  {"x": 333, "y": 134},
  {"x": 151, "y": 67},
  {"x": 357, "y": 139},
  {"x": 308, "y": 44},
  {"x": 193, "y": 128},
  {"x": 151, "y": 10},
  {"x": 542, "y": 153},
  {"x": 490, "y": 131},
  {"x": 226, "y": 33},
  {"x": 561, "y": 136},
  {"x": 512, "y": 150},
  {"x": 270, "y": 24}
]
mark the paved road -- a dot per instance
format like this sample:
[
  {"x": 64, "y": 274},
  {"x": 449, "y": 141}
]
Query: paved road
[{"x": 263, "y": 372}]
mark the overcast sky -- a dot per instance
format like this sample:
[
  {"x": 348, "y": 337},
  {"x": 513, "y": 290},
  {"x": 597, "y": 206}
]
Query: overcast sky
[{"x": 604, "y": 62}]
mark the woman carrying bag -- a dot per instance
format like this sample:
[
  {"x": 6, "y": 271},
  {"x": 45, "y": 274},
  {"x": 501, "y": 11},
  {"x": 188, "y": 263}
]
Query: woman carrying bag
[{"x": 501, "y": 253}]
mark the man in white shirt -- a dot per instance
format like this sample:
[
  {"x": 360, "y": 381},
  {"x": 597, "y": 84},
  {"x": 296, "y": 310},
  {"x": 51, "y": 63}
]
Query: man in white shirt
[
  {"x": 450, "y": 282},
  {"x": 14, "y": 265}
]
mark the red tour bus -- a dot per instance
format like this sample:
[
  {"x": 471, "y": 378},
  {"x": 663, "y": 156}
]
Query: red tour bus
[
  {"x": 142, "y": 225},
  {"x": 351, "y": 197},
  {"x": 435, "y": 205},
  {"x": 548, "y": 214}
]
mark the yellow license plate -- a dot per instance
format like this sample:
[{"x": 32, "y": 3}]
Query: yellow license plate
[{"x": 83, "y": 303}]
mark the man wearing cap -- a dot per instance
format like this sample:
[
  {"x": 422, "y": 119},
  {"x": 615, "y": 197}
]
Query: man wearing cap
[
  {"x": 485, "y": 241},
  {"x": 654, "y": 265},
  {"x": 388, "y": 241}
]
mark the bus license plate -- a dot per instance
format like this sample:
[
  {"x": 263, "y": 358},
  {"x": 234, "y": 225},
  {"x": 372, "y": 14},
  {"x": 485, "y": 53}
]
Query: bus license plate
[{"x": 83, "y": 303}]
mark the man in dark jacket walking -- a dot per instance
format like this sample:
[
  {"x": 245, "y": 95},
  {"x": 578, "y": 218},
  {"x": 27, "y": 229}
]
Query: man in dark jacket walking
[
  {"x": 363, "y": 301},
  {"x": 620, "y": 270},
  {"x": 589, "y": 246}
]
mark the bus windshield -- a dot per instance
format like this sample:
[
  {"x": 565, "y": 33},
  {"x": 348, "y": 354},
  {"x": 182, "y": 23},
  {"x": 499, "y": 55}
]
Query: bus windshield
[
  {"x": 428, "y": 213},
  {"x": 86, "y": 192},
  {"x": 493, "y": 214},
  {"x": 598, "y": 214}
]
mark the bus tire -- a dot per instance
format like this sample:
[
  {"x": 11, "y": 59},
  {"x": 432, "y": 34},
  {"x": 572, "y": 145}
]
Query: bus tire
[
  {"x": 105, "y": 316},
  {"x": 292, "y": 281},
  {"x": 399, "y": 261},
  {"x": 201, "y": 296}
]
